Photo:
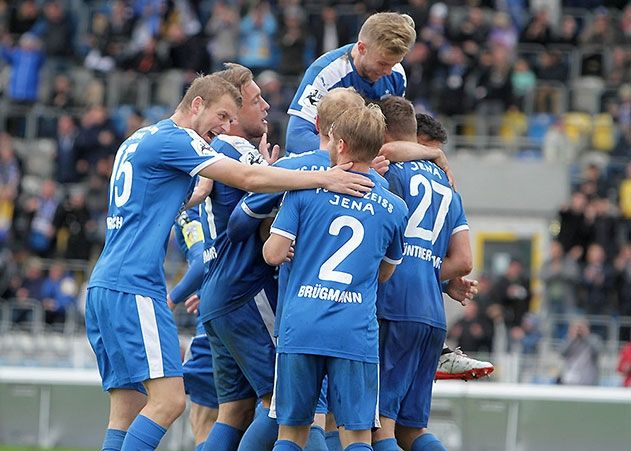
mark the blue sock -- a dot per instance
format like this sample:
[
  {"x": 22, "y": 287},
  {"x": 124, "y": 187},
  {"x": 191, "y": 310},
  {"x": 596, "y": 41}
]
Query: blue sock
[
  {"x": 286, "y": 445},
  {"x": 333, "y": 440},
  {"x": 223, "y": 437},
  {"x": 358, "y": 446},
  {"x": 261, "y": 434},
  {"x": 427, "y": 442},
  {"x": 144, "y": 434},
  {"x": 200, "y": 447},
  {"x": 113, "y": 440},
  {"x": 316, "y": 441},
  {"x": 387, "y": 444}
]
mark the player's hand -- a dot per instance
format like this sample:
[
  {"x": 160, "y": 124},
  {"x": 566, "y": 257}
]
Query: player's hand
[
  {"x": 192, "y": 304},
  {"x": 339, "y": 180},
  {"x": 170, "y": 303},
  {"x": 380, "y": 164},
  {"x": 462, "y": 290},
  {"x": 290, "y": 254},
  {"x": 442, "y": 163},
  {"x": 264, "y": 150}
]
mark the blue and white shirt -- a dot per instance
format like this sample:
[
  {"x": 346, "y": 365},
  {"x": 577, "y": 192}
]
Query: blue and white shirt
[
  {"x": 329, "y": 304},
  {"x": 150, "y": 180},
  {"x": 414, "y": 292}
]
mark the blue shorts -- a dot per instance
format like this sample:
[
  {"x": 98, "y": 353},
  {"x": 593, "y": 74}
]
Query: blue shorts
[
  {"x": 134, "y": 338},
  {"x": 199, "y": 382},
  {"x": 352, "y": 391},
  {"x": 323, "y": 404},
  {"x": 408, "y": 358},
  {"x": 243, "y": 351}
]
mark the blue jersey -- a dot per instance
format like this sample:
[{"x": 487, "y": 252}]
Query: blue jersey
[
  {"x": 238, "y": 272},
  {"x": 329, "y": 305},
  {"x": 414, "y": 292},
  {"x": 334, "y": 69},
  {"x": 150, "y": 179}
]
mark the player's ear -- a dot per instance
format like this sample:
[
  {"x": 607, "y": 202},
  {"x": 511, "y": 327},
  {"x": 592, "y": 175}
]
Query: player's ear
[
  {"x": 196, "y": 104},
  {"x": 361, "y": 46},
  {"x": 317, "y": 124}
]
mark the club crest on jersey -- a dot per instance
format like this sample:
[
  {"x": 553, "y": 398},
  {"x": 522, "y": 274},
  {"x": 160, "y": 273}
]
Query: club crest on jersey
[{"x": 310, "y": 97}]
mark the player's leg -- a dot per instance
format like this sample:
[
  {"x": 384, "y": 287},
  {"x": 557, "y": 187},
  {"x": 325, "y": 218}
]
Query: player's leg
[
  {"x": 317, "y": 439},
  {"x": 413, "y": 417},
  {"x": 125, "y": 405},
  {"x": 199, "y": 384},
  {"x": 353, "y": 397},
  {"x": 235, "y": 396},
  {"x": 298, "y": 383},
  {"x": 332, "y": 434}
]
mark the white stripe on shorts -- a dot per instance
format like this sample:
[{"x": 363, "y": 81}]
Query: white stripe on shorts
[
  {"x": 149, "y": 327},
  {"x": 265, "y": 309},
  {"x": 377, "y": 422},
  {"x": 272, "y": 405}
]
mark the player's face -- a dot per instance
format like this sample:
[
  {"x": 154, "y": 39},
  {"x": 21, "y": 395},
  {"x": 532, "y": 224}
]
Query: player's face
[
  {"x": 251, "y": 118},
  {"x": 215, "y": 119},
  {"x": 374, "y": 63}
]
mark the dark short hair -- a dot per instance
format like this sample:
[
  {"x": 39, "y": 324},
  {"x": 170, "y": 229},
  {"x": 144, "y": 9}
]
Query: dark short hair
[{"x": 430, "y": 127}]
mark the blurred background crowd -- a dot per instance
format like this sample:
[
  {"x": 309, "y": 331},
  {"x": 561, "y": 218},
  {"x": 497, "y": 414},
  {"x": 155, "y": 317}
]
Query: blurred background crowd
[{"x": 546, "y": 80}]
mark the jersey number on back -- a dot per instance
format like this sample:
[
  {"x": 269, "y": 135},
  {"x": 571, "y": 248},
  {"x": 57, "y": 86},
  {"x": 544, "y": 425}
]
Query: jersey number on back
[
  {"x": 122, "y": 169},
  {"x": 327, "y": 270},
  {"x": 413, "y": 228}
]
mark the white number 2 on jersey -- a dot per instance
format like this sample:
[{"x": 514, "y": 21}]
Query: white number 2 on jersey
[
  {"x": 327, "y": 270},
  {"x": 413, "y": 228},
  {"x": 122, "y": 169}
]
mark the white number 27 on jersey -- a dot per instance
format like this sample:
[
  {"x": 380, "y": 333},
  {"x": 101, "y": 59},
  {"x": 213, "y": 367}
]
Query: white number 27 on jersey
[
  {"x": 122, "y": 169},
  {"x": 413, "y": 228}
]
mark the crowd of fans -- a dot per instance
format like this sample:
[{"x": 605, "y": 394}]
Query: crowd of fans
[{"x": 555, "y": 72}]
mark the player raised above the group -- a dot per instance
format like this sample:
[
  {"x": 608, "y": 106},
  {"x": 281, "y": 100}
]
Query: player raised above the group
[
  {"x": 371, "y": 66},
  {"x": 150, "y": 179}
]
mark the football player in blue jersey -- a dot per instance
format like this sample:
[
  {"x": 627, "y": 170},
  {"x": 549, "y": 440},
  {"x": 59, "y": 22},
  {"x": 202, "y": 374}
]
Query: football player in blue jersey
[
  {"x": 372, "y": 66},
  {"x": 239, "y": 294},
  {"x": 191, "y": 228},
  {"x": 411, "y": 313},
  {"x": 128, "y": 323},
  {"x": 329, "y": 324}
]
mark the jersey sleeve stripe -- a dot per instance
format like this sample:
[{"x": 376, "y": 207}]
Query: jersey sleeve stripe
[
  {"x": 460, "y": 229},
  {"x": 280, "y": 232},
  {"x": 206, "y": 163},
  {"x": 392, "y": 262},
  {"x": 252, "y": 214},
  {"x": 301, "y": 115}
]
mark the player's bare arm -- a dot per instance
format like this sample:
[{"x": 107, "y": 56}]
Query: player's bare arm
[
  {"x": 458, "y": 261},
  {"x": 276, "y": 249},
  {"x": 268, "y": 179},
  {"x": 385, "y": 271},
  {"x": 202, "y": 190}
]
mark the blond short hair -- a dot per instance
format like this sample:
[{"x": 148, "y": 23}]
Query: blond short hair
[
  {"x": 362, "y": 129},
  {"x": 334, "y": 103},
  {"x": 210, "y": 88},
  {"x": 393, "y": 33},
  {"x": 236, "y": 74},
  {"x": 400, "y": 118}
]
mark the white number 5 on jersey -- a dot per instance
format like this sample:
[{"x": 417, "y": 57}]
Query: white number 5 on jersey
[{"x": 122, "y": 170}]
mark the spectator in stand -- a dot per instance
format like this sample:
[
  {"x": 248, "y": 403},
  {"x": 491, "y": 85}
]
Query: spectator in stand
[
  {"x": 328, "y": 32},
  {"x": 557, "y": 148},
  {"x": 186, "y": 52},
  {"x": 560, "y": 276},
  {"x": 223, "y": 31},
  {"x": 620, "y": 70},
  {"x": 523, "y": 82},
  {"x": 56, "y": 30},
  {"x": 473, "y": 29},
  {"x": 41, "y": 209},
  {"x": 525, "y": 338},
  {"x": 573, "y": 229},
  {"x": 603, "y": 220},
  {"x": 419, "y": 75},
  {"x": 472, "y": 332},
  {"x": 121, "y": 25},
  {"x": 98, "y": 57},
  {"x": 494, "y": 90},
  {"x": 59, "y": 291},
  {"x": 512, "y": 292},
  {"x": 624, "y": 364},
  {"x": 257, "y": 34},
  {"x": 580, "y": 354},
  {"x": 551, "y": 71},
  {"x": 29, "y": 290},
  {"x": 73, "y": 218},
  {"x": 625, "y": 24},
  {"x": 622, "y": 268},
  {"x": 66, "y": 156},
  {"x": 147, "y": 60},
  {"x": 567, "y": 33},
  {"x": 96, "y": 139},
  {"x": 26, "y": 61},
  {"x": 10, "y": 176},
  {"x": 596, "y": 282},
  {"x": 624, "y": 196},
  {"x": 502, "y": 32},
  {"x": 23, "y": 16},
  {"x": 292, "y": 43},
  {"x": 539, "y": 29},
  {"x": 61, "y": 95},
  {"x": 601, "y": 31}
]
